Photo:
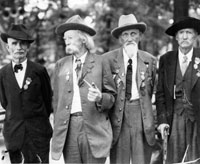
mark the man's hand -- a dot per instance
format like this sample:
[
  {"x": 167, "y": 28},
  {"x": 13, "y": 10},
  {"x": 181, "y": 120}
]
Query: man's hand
[
  {"x": 161, "y": 128},
  {"x": 94, "y": 94}
]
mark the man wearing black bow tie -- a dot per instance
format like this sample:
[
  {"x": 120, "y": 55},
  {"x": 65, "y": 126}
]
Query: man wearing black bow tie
[{"x": 25, "y": 94}]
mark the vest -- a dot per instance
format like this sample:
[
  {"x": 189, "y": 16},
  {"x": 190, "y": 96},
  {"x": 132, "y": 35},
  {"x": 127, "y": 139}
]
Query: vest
[{"x": 182, "y": 103}]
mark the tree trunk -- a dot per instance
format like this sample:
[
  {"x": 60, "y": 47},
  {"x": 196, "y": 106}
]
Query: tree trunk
[{"x": 181, "y": 8}]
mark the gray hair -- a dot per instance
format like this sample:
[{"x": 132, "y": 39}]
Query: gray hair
[{"x": 87, "y": 40}]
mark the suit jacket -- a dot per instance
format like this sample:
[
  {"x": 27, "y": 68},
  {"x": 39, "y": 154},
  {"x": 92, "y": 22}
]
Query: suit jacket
[
  {"x": 96, "y": 120},
  {"x": 27, "y": 109},
  {"x": 146, "y": 65},
  {"x": 165, "y": 88}
]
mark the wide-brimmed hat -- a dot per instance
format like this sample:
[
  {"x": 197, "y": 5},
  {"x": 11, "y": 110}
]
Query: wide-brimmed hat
[
  {"x": 187, "y": 22},
  {"x": 75, "y": 23},
  {"x": 127, "y": 22},
  {"x": 17, "y": 31}
]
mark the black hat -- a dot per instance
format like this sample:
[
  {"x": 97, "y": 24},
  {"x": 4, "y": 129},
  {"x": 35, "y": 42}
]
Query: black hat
[
  {"x": 74, "y": 23},
  {"x": 17, "y": 31},
  {"x": 187, "y": 22}
]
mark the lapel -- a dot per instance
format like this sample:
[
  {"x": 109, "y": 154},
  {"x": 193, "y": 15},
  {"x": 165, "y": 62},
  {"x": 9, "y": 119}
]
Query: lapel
[
  {"x": 67, "y": 70},
  {"x": 196, "y": 53},
  {"x": 141, "y": 67},
  {"x": 87, "y": 66},
  {"x": 170, "y": 72},
  {"x": 11, "y": 78},
  {"x": 119, "y": 65}
]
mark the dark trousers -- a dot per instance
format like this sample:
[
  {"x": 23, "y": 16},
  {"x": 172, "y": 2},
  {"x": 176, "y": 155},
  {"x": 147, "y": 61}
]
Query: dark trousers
[
  {"x": 29, "y": 154},
  {"x": 131, "y": 145},
  {"x": 76, "y": 149}
]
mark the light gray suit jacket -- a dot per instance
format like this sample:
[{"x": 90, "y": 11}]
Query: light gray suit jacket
[
  {"x": 96, "y": 120},
  {"x": 146, "y": 64}
]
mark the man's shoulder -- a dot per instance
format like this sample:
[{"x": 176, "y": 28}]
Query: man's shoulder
[
  {"x": 147, "y": 55},
  {"x": 112, "y": 52}
]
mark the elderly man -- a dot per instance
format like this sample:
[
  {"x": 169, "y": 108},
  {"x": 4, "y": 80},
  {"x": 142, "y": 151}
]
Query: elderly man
[
  {"x": 26, "y": 95},
  {"x": 178, "y": 92},
  {"x": 134, "y": 74},
  {"x": 83, "y": 94}
]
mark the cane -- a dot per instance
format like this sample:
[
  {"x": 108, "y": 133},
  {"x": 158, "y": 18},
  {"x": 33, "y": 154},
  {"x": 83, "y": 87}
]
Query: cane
[{"x": 165, "y": 141}]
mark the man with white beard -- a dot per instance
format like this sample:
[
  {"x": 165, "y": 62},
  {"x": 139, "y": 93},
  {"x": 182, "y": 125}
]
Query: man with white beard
[{"x": 134, "y": 73}]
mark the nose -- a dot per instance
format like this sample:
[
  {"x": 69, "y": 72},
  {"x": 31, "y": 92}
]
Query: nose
[{"x": 185, "y": 35}]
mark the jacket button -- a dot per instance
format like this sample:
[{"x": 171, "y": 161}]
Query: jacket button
[
  {"x": 120, "y": 109},
  {"x": 67, "y": 107},
  {"x": 65, "y": 122},
  {"x": 119, "y": 120}
]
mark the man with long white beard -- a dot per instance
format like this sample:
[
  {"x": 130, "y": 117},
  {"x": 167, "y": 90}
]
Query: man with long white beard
[{"x": 134, "y": 73}]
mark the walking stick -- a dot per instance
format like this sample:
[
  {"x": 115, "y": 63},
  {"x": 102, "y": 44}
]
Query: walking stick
[{"x": 165, "y": 141}]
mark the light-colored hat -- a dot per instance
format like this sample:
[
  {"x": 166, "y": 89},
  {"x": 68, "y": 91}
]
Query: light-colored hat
[
  {"x": 127, "y": 22},
  {"x": 187, "y": 22},
  {"x": 74, "y": 23}
]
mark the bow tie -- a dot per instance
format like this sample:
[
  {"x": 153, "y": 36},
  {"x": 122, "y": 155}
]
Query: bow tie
[{"x": 18, "y": 67}]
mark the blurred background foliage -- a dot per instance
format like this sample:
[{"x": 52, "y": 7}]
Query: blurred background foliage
[{"x": 42, "y": 16}]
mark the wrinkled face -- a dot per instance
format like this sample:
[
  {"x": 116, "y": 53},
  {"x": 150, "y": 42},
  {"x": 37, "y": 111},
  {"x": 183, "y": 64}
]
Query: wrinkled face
[
  {"x": 73, "y": 42},
  {"x": 186, "y": 38},
  {"x": 18, "y": 49},
  {"x": 129, "y": 40},
  {"x": 130, "y": 36}
]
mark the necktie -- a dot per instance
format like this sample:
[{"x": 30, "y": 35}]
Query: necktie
[
  {"x": 129, "y": 79},
  {"x": 184, "y": 64},
  {"x": 78, "y": 69},
  {"x": 18, "y": 67}
]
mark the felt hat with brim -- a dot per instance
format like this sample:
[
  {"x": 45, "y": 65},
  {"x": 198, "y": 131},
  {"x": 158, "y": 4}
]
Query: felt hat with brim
[
  {"x": 75, "y": 23},
  {"x": 127, "y": 22},
  {"x": 19, "y": 32},
  {"x": 187, "y": 22}
]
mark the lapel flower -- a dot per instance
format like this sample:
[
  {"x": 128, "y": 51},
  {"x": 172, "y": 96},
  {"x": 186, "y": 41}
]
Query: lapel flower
[
  {"x": 196, "y": 66},
  {"x": 27, "y": 82}
]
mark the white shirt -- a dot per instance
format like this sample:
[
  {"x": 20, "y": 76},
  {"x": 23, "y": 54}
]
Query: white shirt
[
  {"x": 21, "y": 73},
  {"x": 76, "y": 101},
  {"x": 181, "y": 56},
  {"x": 134, "y": 90}
]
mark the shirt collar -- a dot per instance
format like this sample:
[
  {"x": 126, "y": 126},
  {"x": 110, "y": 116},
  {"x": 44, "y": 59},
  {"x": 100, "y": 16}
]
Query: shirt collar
[
  {"x": 126, "y": 57},
  {"x": 24, "y": 64},
  {"x": 82, "y": 58},
  {"x": 189, "y": 55}
]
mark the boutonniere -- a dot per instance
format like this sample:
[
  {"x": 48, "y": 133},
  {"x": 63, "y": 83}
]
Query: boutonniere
[
  {"x": 196, "y": 65},
  {"x": 67, "y": 76},
  {"x": 27, "y": 82}
]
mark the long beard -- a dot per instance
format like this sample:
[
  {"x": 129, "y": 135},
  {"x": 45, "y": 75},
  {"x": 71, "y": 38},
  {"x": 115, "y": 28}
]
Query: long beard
[{"x": 131, "y": 49}]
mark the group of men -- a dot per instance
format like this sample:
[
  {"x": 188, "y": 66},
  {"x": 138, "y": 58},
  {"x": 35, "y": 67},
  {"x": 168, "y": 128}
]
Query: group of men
[{"x": 102, "y": 104}]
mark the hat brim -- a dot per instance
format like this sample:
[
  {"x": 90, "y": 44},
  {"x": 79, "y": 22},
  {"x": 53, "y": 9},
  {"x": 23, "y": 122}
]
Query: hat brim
[
  {"x": 74, "y": 26},
  {"x": 117, "y": 31},
  {"x": 5, "y": 37},
  {"x": 187, "y": 23}
]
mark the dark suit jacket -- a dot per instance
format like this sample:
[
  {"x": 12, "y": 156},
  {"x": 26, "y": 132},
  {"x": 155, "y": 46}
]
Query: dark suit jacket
[
  {"x": 27, "y": 109},
  {"x": 96, "y": 121},
  {"x": 165, "y": 88},
  {"x": 146, "y": 64}
]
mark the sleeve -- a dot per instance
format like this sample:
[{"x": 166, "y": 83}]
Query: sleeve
[
  {"x": 3, "y": 100},
  {"x": 108, "y": 88},
  {"x": 47, "y": 91},
  {"x": 160, "y": 95}
]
